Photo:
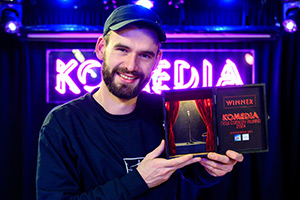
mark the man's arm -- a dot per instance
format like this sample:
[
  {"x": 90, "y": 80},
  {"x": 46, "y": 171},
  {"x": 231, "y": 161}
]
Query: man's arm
[
  {"x": 58, "y": 176},
  {"x": 156, "y": 170}
]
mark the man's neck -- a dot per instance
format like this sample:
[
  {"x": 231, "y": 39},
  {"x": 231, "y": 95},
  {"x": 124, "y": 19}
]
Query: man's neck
[{"x": 113, "y": 104}]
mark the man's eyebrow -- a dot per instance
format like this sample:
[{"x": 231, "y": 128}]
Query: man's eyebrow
[{"x": 119, "y": 45}]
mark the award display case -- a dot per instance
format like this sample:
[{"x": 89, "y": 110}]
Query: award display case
[{"x": 217, "y": 119}]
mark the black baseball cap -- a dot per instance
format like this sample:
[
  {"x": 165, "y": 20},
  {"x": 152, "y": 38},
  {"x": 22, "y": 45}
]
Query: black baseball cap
[{"x": 133, "y": 14}]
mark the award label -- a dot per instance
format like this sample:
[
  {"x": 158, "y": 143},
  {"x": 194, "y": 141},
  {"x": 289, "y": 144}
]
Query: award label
[{"x": 240, "y": 114}]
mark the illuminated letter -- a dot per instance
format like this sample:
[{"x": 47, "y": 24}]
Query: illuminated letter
[
  {"x": 147, "y": 88},
  {"x": 207, "y": 73},
  {"x": 230, "y": 75},
  {"x": 63, "y": 77},
  {"x": 87, "y": 67},
  {"x": 179, "y": 67},
  {"x": 159, "y": 76}
]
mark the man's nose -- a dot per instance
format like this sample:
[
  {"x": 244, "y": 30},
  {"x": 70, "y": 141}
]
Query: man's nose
[{"x": 131, "y": 62}]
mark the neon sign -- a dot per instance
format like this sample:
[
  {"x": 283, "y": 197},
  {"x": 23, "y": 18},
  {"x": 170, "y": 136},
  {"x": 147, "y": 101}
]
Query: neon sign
[{"x": 70, "y": 74}]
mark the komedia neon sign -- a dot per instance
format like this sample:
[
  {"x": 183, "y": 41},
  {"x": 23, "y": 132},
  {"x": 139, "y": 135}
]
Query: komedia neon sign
[{"x": 71, "y": 74}]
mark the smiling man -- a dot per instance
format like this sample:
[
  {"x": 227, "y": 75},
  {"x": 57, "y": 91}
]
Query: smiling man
[
  {"x": 109, "y": 143},
  {"x": 129, "y": 57}
]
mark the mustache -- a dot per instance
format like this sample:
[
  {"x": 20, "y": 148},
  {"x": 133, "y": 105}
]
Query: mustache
[{"x": 126, "y": 71}]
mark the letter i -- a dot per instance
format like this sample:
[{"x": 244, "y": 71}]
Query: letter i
[{"x": 207, "y": 73}]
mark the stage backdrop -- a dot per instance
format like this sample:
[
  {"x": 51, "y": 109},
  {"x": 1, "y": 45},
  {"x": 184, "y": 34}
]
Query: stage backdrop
[{"x": 271, "y": 175}]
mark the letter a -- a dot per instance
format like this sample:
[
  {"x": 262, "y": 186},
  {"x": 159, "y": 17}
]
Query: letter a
[{"x": 230, "y": 75}]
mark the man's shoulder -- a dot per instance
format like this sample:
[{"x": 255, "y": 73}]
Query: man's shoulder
[{"x": 64, "y": 111}]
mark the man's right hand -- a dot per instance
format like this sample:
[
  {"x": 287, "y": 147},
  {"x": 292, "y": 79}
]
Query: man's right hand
[{"x": 155, "y": 170}]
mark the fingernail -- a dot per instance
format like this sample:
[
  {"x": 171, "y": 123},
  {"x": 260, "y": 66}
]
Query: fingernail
[
  {"x": 230, "y": 153},
  {"x": 211, "y": 156}
]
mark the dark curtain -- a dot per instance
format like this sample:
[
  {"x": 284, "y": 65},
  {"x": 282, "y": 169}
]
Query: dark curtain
[
  {"x": 272, "y": 175},
  {"x": 204, "y": 107},
  {"x": 172, "y": 109}
]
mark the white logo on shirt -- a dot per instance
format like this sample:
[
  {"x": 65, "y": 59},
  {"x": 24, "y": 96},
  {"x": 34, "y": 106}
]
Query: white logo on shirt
[{"x": 132, "y": 163}]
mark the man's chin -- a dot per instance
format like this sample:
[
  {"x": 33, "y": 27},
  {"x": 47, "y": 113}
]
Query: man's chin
[{"x": 124, "y": 91}]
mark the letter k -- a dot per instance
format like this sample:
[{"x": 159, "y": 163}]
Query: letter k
[{"x": 63, "y": 78}]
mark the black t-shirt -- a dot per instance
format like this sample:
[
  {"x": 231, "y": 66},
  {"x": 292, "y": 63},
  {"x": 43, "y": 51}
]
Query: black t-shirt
[{"x": 87, "y": 153}]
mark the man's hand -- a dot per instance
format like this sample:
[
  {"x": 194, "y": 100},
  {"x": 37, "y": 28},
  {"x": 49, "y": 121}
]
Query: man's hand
[
  {"x": 155, "y": 170},
  {"x": 219, "y": 165}
]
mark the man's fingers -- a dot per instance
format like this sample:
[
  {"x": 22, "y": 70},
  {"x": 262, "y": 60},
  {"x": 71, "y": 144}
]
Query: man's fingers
[
  {"x": 215, "y": 172},
  {"x": 219, "y": 158},
  {"x": 235, "y": 156},
  {"x": 216, "y": 165},
  {"x": 156, "y": 152},
  {"x": 191, "y": 161},
  {"x": 180, "y": 162}
]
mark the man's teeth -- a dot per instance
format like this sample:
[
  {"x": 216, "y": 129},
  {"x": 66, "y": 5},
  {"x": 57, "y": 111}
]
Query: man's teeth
[{"x": 127, "y": 77}]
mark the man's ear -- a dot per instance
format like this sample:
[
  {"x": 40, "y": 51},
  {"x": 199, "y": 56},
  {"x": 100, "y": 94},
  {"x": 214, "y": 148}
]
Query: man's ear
[{"x": 100, "y": 45}]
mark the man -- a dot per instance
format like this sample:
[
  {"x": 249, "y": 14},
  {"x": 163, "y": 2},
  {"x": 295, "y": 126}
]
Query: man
[{"x": 109, "y": 144}]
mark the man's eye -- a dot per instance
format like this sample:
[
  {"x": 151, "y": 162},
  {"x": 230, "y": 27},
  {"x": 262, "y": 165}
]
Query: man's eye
[
  {"x": 122, "y": 50},
  {"x": 145, "y": 56}
]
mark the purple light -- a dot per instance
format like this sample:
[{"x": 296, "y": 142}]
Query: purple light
[
  {"x": 230, "y": 75},
  {"x": 70, "y": 75},
  {"x": 63, "y": 78},
  {"x": 207, "y": 73},
  {"x": 146, "y": 3},
  {"x": 11, "y": 27},
  {"x": 179, "y": 83},
  {"x": 159, "y": 76},
  {"x": 176, "y": 3},
  {"x": 110, "y": 3},
  {"x": 289, "y": 25},
  {"x": 85, "y": 68}
]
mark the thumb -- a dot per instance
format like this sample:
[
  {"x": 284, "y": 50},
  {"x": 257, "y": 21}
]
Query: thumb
[{"x": 156, "y": 152}]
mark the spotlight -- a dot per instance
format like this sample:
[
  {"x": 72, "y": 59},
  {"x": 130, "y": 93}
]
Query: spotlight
[
  {"x": 291, "y": 15},
  {"x": 110, "y": 4},
  {"x": 11, "y": 15},
  {"x": 175, "y": 3},
  {"x": 146, "y": 3},
  {"x": 289, "y": 25},
  {"x": 11, "y": 27}
]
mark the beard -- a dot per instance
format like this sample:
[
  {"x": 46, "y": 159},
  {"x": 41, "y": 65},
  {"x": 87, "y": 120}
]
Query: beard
[{"x": 123, "y": 91}]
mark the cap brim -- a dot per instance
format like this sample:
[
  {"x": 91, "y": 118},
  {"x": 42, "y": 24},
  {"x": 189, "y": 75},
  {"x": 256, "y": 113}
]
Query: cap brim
[{"x": 156, "y": 27}]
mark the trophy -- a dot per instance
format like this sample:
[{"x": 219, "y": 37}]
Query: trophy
[{"x": 203, "y": 120}]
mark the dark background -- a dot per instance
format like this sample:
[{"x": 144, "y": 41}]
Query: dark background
[{"x": 271, "y": 175}]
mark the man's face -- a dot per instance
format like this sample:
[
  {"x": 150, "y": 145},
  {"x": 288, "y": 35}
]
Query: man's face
[{"x": 128, "y": 61}]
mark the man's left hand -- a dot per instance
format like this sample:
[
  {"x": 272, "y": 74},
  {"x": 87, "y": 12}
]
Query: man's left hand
[{"x": 219, "y": 165}]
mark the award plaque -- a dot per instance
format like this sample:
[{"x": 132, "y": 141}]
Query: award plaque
[{"x": 203, "y": 120}]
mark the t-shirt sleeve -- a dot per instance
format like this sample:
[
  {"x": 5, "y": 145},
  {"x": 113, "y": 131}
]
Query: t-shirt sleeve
[
  {"x": 196, "y": 174},
  {"x": 57, "y": 175}
]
